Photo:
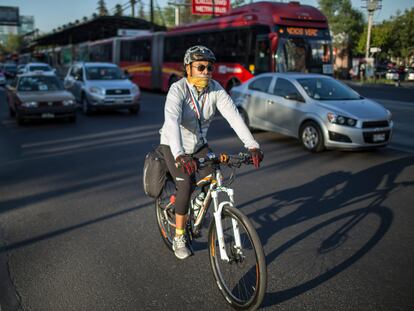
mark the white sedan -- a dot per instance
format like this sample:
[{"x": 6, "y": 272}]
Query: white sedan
[{"x": 318, "y": 110}]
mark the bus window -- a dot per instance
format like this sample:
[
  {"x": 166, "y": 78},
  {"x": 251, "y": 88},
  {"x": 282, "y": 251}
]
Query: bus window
[
  {"x": 136, "y": 50},
  {"x": 262, "y": 63},
  {"x": 301, "y": 55}
]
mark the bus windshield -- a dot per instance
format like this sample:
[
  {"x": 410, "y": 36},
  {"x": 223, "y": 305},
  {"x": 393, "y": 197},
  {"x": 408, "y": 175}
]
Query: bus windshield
[{"x": 304, "y": 55}]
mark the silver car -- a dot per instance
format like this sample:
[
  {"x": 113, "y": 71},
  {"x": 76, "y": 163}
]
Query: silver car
[
  {"x": 318, "y": 110},
  {"x": 31, "y": 67},
  {"x": 102, "y": 86}
]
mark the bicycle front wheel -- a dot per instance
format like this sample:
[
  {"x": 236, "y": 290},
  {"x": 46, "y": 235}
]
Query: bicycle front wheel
[{"x": 243, "y": 279}]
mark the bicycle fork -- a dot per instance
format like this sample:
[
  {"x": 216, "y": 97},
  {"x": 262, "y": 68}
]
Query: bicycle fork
[{"x": 218, "y": 209}]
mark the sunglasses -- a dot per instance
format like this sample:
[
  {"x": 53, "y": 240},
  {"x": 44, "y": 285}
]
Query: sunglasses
[{"x": 201, "y": 68}]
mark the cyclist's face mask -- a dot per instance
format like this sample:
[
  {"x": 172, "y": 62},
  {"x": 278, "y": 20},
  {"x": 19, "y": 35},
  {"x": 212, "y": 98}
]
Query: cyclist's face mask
[{"x": 199, "y": 74}]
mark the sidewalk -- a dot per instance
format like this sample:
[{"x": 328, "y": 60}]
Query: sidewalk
[{"x": 404, "y": 84}]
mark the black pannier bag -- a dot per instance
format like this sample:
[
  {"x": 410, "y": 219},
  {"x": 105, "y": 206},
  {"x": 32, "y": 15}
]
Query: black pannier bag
[{"x": 155, "y": 171}]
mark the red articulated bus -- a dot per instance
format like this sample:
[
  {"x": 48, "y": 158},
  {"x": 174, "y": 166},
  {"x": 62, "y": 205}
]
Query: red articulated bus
[{"x": 255, "y": 38}]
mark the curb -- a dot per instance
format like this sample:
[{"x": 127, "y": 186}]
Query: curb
[{"x": 405, "y": 85}]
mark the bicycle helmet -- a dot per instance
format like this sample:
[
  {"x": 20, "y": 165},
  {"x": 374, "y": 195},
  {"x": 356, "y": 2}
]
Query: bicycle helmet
[{"x": 198, "y": 53}]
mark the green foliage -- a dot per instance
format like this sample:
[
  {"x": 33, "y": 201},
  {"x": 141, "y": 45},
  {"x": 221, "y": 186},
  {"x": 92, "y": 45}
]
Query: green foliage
[
  {"x": 13, "y": 44},
  {"x": 118, "y": 10},
  {"x": 344, "y": 21},
  {"x": 237, "y": 3},
  {"x": 395, "y": 37},
  {"x": 102, "y": 10}
]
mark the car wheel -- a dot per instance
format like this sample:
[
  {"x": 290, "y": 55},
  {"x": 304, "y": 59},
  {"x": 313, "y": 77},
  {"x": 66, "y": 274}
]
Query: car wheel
[
  {"x": 19, "y": 120},
  {"x": 72, "y": 119},
  {"x": 134, "y": 110},
  {"x": 85, "y": 106},
  {"x": 245, "y": 118},
  {"x": 311, "y": 137}
]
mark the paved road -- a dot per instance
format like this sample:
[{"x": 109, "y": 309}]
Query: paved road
[
  {"x": 400, "y": 101},
  {"x": 77, "y": 232}
]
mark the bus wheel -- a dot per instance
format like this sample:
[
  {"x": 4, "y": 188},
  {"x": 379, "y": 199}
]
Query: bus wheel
[
  {"x": 232, "y": 83},
  {"x": 172, "y": 80}
]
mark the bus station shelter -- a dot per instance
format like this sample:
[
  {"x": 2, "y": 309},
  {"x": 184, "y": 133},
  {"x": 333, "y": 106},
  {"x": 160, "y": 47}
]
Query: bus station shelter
[{"x": 101, "y": 27}]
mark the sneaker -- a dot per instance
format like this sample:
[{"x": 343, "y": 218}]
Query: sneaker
[{"x": 180, "y": 247}]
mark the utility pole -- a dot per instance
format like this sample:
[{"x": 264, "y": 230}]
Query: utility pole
[
  {"x": 133, "y": 2},
  {"x": 371, "y": 6},
  {"x": 152, "y": 10},
  {"x": 177, "y": 6}
]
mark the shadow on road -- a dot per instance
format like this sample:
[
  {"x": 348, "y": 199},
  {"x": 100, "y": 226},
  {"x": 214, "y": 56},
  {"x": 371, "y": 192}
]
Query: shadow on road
[
  {"x": 65, "y": 230},
  {"x": 329, "y": 193}
]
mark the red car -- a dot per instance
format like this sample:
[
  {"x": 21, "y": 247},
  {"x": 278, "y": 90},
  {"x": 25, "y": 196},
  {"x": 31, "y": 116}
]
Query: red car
[{"x": 39, "y": 95}]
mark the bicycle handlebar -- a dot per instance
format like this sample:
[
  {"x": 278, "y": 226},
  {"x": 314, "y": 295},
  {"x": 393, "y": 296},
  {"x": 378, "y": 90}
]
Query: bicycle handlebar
[{"x": 232, "y": 160}]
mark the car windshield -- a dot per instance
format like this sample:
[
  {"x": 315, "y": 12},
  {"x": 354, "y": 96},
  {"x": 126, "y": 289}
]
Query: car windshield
[
  {"x": 39, "y": 84},
  {"x": 104, "y": 73},
  {"x": 40, "y": 68},
  {"x": 327, "y": 89},
  {"x": 10, "y": 68}
]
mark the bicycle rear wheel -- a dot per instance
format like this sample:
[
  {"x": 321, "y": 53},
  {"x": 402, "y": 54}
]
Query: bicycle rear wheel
[
  {"x": 165, "y": 221},
  {"x": 242, "y": 280}
]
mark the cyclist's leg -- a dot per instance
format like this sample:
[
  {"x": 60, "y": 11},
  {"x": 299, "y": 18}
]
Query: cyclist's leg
[
  {"x": 182, "y": 182},
  {"x": 183, "y": 185}
]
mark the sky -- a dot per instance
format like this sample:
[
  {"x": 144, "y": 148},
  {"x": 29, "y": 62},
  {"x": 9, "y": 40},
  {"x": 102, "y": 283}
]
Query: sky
[{"x": 51, "y": 14}]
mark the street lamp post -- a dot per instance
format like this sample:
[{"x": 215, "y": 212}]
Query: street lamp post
[{"x": 371, "y": 6}]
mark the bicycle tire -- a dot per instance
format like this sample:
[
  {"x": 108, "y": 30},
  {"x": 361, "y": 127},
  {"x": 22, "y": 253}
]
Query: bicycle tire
[
  {"x": 166, "y": 230},
  {"x": 240, "y": 297}
]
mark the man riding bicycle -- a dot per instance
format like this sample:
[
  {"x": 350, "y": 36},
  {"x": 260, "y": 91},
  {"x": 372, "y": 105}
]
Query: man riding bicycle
[{"x": 189, "y": 109}]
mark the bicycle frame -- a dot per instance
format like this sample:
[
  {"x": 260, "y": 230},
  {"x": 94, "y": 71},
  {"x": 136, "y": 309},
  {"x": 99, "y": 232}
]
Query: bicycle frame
[{"x": 215, "y": 188}]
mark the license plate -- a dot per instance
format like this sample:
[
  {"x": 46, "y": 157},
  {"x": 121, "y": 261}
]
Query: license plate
[
  {"x": 378, "y": 137},
  {"x": 119, "y": 102},
  {"x": 48, "y": 115}
]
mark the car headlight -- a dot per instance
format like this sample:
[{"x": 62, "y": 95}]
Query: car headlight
[
  {"x": 68, "y": 102},
  {"x": 134, "y": 89},
  {"x": 97, "y": 90},
  {"x": 341, "y": 120},
  {"x": 30, "y": 104},
  {"x": 389, "y": 115}
]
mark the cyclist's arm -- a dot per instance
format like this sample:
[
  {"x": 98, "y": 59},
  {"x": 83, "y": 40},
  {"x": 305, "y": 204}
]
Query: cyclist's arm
[
  {"x": 172, "y": 113},
  {"x": 229, "y": 111}
]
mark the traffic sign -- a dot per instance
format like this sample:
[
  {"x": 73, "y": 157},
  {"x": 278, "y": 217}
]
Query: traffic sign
[{"x": 210, "y": 7}]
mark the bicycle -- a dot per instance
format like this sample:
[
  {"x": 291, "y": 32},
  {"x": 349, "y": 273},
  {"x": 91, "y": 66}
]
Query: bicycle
[{"x": 236, "y": 253}]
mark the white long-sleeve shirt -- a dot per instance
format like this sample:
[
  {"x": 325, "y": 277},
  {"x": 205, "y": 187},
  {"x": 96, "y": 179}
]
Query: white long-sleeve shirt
[{"x": 181, "y": 128}]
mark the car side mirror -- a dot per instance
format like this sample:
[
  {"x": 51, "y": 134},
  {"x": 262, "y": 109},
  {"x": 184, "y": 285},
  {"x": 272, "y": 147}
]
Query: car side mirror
[
  {"x": 10, "y": 87},
  {"x": 127, "y": 75},
  {"x": 294, "y": 96}
]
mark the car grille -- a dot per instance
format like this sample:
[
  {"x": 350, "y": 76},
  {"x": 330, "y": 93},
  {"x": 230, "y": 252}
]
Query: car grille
[
  {"x": 373, "y": 124},
  {"x": 50, "y": 104},
  {"x": 369, "y": 137},
  {"x": 118, "y": 92}
]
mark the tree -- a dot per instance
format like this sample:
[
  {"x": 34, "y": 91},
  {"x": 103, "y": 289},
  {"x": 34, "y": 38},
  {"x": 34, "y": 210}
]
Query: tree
[
  {"x": 132, "y": 3},
  {"x": 237, "y": 3},
  {"x": 345, "y": 20},
  {"x": 13, "y": 43},
  {"x": 118, "y": 10},
  {"x": 395, "y": 37},
  {"x": 102, "y": 10}
]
